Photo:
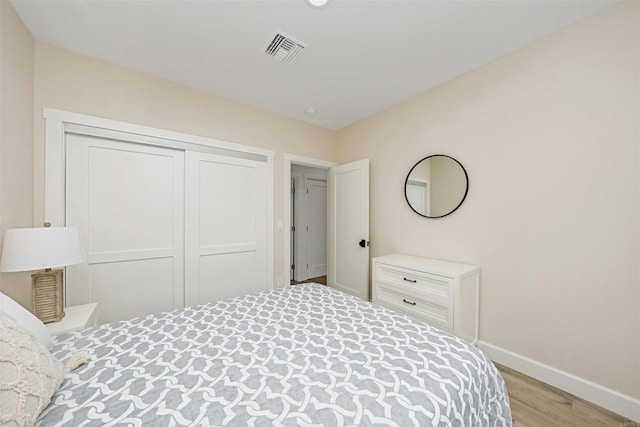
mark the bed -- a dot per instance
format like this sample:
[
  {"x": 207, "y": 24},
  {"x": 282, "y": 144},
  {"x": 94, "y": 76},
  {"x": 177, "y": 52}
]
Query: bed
[{"x": 298, "y": 356}]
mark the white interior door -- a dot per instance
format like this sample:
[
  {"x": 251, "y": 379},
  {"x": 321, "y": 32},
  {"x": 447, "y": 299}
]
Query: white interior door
[
  {"x": 315, "y": 232},
  {"x": 349, "y": 228},
  {"x": 297, "y": 220},
  {"x": 292, "y": 232},
  {"x": 417, "y": 192},
  {"x": 127, "y": 201},
  {"x": 226, "y": 227}
]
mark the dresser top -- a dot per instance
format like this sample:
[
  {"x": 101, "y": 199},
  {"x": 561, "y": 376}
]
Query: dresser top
[{"x": 436, "y": 266}]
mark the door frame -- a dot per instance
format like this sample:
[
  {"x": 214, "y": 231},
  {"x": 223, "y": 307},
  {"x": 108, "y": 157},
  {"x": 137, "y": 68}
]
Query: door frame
[
  {"x": 288, "y": 160},
  {"x": 307, "y": 215},
  {"x": 59, "y": 122},
  {"x": 293, "y": 236},
  {"x": 300, "y": 218}
]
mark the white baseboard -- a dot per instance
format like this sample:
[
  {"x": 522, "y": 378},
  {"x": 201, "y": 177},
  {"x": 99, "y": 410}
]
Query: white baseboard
[{"x": 607, "y": 398}]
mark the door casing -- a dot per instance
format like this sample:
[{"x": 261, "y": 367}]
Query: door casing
[
  {"x": 288, "y": 160},
  {"x": 322, "y": 164}
]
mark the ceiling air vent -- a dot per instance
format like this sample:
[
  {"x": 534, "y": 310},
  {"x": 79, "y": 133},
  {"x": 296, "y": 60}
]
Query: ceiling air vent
[{"x": 284, "y": 48}]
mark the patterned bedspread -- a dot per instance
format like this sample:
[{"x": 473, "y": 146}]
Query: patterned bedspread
[{"x": 302, "y": 355}]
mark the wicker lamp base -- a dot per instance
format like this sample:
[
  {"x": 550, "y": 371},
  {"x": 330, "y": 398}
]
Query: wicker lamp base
[{"x": 47, "y": 296}]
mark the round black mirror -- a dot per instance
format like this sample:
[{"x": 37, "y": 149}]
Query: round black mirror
[{"x": 436, "y": 186}]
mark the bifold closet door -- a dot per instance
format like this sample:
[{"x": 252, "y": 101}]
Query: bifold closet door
[
  {"x": 127, "y": 200},
  {"x": 225, "y": 227}
]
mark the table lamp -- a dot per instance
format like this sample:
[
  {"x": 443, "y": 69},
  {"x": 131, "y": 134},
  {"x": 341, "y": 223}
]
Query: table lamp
[{"x": 27, "y": 249}]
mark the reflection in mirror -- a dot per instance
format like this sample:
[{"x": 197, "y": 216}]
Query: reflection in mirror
[{"x": 436, "y": 186}]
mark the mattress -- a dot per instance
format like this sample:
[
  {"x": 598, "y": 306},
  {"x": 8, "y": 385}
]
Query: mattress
[{"x": 298, "y": 356}]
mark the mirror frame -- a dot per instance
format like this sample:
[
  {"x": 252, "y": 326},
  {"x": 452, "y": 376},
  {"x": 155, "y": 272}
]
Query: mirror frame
[{"x": 466, "y": 190}]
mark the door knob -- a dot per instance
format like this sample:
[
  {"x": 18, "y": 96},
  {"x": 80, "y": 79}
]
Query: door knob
[{"x": 363, "y": 243}]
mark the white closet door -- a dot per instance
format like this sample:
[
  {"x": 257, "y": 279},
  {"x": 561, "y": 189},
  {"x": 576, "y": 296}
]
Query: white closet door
[
  {"x": 226, "y": 227},
  {"x": 127, "y": 200}
]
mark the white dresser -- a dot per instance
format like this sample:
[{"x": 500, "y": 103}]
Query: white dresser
[{"x": 442, "y": 293}]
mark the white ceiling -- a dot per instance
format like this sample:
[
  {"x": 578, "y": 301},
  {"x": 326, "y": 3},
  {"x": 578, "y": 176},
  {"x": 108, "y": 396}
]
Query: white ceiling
[{"x": 363, "y": 56}]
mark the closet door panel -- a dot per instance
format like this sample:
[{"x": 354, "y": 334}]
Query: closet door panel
[
  {"x": 134, "y": 191},
  {"x": 113, "y": 282},
  {"x": 127, "y": 200},
  {"x": 225, "y": 212},
  {"x": 227, "y": 203},
  {"x": 229, "y": 269}
]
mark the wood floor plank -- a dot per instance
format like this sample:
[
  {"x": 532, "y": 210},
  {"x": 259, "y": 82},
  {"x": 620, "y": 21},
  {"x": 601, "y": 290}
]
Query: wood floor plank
[
  {"x": 322, "y": 280},
  {"x": 552, "y": 403},
  {"x": 596, "y": 416},
  {"x": 524, "y": 416},
  {"x": 536, "y": 404}
]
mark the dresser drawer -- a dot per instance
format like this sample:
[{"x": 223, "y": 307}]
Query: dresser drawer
[
  {"x": 442, "y": 293},
  {"x": 433, "y": 288},
  {"x": 440, "y": 316}
]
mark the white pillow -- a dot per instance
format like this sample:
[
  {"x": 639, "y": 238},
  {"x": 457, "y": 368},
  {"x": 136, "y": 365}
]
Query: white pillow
[
  {"x": 26, "y": 319},
  {"x": 29, "y": 374}
]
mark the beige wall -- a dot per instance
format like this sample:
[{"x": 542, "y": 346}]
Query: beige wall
[
  {"x": 422, "y": 170},
  {"x": 549, "y": 136},
  {"x": 16, "y": 138},
  {"x": 77, "y": 83}
]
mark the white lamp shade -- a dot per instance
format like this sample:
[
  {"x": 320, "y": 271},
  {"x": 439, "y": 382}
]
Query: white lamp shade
[{"x": 27, "y": 249}]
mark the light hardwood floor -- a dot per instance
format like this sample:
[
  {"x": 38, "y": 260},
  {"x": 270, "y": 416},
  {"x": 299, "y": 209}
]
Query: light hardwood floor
[
  {"x": 536, "y": 404},
  {"x": 322, "y": 280}
]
